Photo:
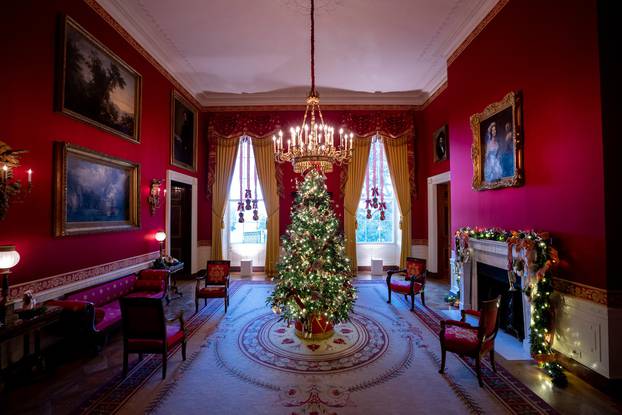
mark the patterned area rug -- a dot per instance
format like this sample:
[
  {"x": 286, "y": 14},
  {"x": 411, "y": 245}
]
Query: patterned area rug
[{"x": 384, "y": 361}]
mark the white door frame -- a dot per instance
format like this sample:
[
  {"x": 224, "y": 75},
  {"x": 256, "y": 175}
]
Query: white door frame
[
  {"x": 193, "y": 182},
  {"x": 433, "y": 218}
]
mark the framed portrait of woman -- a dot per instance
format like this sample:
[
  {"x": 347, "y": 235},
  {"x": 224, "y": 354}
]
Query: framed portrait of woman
[{"x": 497, "y": 149}]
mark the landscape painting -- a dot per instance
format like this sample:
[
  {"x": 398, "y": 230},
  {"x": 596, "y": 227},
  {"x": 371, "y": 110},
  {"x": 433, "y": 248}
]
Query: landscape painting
[
  {"x": 96, "y": 193},
  {"x": 96, "y": 86}
]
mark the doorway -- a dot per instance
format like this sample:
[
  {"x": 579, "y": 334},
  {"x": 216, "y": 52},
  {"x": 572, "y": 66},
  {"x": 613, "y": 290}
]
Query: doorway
[
  {"x": 181, "y": 224},
  {"x": 443, "y": 214}
]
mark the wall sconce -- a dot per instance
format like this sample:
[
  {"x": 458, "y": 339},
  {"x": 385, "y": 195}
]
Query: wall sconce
[
  {"x": 11, "y": 188},
  {"x": 154, "y": 195},
  {"x": 9, "y": 257},
  {"x": 161, "y": 237}
]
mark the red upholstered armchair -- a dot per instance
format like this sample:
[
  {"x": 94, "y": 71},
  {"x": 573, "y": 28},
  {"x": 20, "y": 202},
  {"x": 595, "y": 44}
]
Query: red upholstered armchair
[
  {"x": 145, "y": 330},
  {"x": 409, "y": 281},
  {"x": 466, "y": 340},
  {"x": 216, "y": 283}
]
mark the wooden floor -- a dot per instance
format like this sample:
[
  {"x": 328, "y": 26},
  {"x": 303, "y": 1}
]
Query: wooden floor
[{"x": 76, "y": 377}]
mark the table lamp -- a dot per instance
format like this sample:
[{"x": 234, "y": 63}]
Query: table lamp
[
  {"x": 160, "y": 236},
  {"x": 9, "y": 257}
]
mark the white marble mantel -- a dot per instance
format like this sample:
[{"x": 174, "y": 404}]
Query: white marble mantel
[{"x": 494, "y": 253}]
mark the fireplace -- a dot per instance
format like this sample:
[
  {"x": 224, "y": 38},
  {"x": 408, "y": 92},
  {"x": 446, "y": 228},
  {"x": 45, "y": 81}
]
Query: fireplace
[
  {"x": 491, "y": 258},
  {"x": 492, "y": 282}
]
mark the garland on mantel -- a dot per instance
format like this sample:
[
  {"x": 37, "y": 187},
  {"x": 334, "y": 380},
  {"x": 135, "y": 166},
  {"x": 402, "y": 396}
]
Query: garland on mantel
[{"x": 534, "y": 260}]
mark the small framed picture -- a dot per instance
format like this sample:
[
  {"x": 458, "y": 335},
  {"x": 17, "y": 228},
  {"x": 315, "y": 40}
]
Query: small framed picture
[
  {"x": 184, "y": 126},
  {"x": 95, "y": 86},
  {"x": 497, "y": 149},
  {"x": 94, "y": 192},
  {"x": 440, "y": 144}
]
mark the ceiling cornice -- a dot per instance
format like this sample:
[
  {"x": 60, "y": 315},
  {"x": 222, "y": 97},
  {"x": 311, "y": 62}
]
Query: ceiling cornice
[
  {"x": 349, "y": 107},
  {"x": 329, "y": 96},
  {"x": 138, "y": 35},
  {"x": 475, "y": 31}
]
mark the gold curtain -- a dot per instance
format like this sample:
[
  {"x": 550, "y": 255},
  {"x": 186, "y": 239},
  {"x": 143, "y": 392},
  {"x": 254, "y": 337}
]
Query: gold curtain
[
  {"x": 266, "y": 172},
  {"x": 397, "y": 157},
  {"x": 354, "y": 186},
  {"x": 226, "y": 151}
]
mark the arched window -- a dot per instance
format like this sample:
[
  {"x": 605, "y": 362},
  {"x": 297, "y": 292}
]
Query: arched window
[
  {"x": 246, "y": 216},
  {"x": 376, "y": 211}
]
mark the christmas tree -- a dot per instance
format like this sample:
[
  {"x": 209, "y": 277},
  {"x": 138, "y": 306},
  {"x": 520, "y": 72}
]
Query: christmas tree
[{"x": 313, "y": 280}]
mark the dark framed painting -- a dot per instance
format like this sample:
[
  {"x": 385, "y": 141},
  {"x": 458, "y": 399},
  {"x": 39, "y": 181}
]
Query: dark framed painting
[
  {"x": 184, "y": 126},
  {"x": 95, "y": 85},
  {"x": 497, "y": 149},
  {"x": 94, "y": 192},
  {"x": 440, "y": 144}
]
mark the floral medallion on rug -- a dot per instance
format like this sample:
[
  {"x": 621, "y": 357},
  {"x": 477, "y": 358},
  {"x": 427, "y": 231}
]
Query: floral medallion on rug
[{"x": 385, "y": 360}]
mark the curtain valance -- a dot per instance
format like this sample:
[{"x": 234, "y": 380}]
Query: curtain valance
[{"x": 363, "y": 123}]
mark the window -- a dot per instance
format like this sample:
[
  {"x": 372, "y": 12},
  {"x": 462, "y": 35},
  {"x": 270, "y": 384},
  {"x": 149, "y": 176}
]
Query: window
[
  {"x": 377, "y": 197},
  {"x": 253, "y": 229}
]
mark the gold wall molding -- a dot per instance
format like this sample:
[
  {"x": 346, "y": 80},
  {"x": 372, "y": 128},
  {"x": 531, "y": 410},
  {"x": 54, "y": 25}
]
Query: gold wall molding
[{"x": 596, "y": 295}]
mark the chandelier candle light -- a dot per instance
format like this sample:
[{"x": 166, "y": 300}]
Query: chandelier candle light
[{"x": 313, "y": 145}]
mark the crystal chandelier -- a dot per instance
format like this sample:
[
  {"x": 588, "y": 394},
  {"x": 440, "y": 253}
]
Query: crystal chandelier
[{"x": 313, "y": 145}]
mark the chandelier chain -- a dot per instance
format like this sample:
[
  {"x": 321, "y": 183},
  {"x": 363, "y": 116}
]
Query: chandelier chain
[{"x": 313, "y": 92}]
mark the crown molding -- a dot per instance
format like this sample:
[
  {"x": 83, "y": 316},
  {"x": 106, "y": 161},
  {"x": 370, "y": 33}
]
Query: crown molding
[
  {"x": 134, "y": 20},
  {"x": 296, "y": 97},
  {"x": 482, "y": 22}
]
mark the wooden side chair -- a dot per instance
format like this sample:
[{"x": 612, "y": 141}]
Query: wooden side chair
[
  {"x": 409, "y": 281},
  {"x": 145, "y": 330},
  {"x": 466, "y": 340},
  {"x": 216, "y": 283}
]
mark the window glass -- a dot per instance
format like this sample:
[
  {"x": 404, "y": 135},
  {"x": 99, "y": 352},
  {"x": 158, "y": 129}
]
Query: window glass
[
  {"x": 373, "y": 229},
  {"x": 252, "y": 230}
]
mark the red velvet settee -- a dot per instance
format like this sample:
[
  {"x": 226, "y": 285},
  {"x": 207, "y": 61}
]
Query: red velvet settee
[{"x": 96, "y": 309}]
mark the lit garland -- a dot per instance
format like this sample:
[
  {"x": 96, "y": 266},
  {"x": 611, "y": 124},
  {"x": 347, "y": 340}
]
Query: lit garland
[
  {"x": 313, "y": 279},
  {"x": 535, "y": 260}
]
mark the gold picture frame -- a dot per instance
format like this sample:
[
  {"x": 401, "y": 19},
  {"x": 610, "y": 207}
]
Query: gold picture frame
[
  {"x": 184, "y": 132},
  {"x": 94, "y": 192},
  {"x": 113, "y": 104},
  {"x": 497, "y": 149}
]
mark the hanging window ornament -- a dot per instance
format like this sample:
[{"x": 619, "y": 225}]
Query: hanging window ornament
[
  {"x": 375, "y": 199},
  {"x": 255, "y": 201},
  {"x": 374, "y": 189},
  {"x": 241, "y": 174},
  {"x": 248, "y": 195},
  {"x": 367, "y": 199},
  {"x": 382, "y": 206}
]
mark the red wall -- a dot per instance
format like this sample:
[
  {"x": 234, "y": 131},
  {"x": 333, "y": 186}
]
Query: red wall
[
  {"x": 427, "y": 122},
  {"x": 27, "y": 121},
  {"x": 549, "y": 51}
]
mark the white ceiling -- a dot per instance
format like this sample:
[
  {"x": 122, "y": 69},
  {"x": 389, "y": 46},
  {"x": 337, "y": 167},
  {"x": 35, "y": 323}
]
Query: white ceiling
[{"x": 256, "y": 52}]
